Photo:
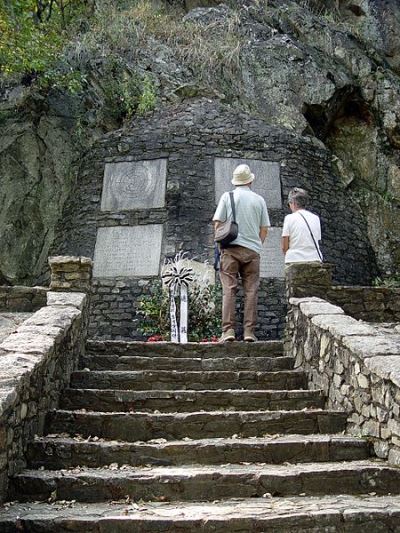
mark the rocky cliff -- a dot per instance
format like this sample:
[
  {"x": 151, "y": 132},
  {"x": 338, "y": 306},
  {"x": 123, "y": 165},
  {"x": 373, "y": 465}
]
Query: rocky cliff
[{"x": 328, "y": 70}]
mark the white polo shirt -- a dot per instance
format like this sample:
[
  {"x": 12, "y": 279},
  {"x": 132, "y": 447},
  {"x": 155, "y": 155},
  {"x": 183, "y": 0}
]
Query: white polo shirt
[
  {"x": 251, "y": 215},
  {"x": 301, "y": 246}
]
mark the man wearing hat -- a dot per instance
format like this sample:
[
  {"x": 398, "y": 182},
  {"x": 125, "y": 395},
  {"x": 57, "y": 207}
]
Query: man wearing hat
[{"x": 242, "y": 256}]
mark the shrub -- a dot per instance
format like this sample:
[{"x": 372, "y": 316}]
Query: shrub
[
  {"x": 204, "y": 321},
  {"x": 391, "y": 282}
]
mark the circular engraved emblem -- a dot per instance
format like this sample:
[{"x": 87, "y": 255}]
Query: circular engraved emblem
[
  {"x": 134, "y": 185},
  {"x": 134, "y": 180}
]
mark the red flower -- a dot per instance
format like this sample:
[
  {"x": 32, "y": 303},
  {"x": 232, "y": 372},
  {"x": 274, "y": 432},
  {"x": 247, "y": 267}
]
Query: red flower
[{"x": 155, "y": 338}]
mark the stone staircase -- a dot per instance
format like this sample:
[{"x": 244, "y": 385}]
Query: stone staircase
[{"x": 162, "y": 437}]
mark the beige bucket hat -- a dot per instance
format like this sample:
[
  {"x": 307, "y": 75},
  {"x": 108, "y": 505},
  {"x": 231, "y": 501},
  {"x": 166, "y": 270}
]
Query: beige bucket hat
[{"x": 242, "y": 175}]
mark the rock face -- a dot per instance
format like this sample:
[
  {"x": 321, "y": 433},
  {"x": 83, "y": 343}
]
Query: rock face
[
  {"x": 328, "y": 70},
  {"x": 36, "y": 173}
]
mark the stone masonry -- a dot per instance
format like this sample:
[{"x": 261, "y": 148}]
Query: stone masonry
[
  {"x": 36, "y": 361},
  {"x": 71, "y": 273},
  {"x": 355, "y": 362},
  {"x": 167, "y": 437},
  {"x": 22, "y": 299},
  {"x": 190, "y": 137}
]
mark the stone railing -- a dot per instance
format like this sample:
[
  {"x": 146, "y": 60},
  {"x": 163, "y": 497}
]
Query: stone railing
[
  {"x": 35, "y": 365},
  {"x": 23, "y": 299},
  {"x": 355, "y": 363}
]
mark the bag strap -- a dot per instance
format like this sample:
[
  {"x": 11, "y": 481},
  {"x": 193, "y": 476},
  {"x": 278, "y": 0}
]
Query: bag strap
[
  {"x": 233, "y": 206},
  {"x": 312, "y": 236}
]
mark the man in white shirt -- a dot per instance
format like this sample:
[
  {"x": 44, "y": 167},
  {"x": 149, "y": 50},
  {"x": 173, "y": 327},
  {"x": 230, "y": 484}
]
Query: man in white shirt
[
  {"x": 301, "y": 231},
  {"x": 242, "y": 256}
]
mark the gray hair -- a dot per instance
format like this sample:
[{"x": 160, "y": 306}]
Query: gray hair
[{"x": 299, "y": 197}]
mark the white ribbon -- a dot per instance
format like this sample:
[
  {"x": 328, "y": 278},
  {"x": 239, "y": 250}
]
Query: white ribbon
[
  {"x": 172, "y": 312},
  {"x": 183, "y": 324}
]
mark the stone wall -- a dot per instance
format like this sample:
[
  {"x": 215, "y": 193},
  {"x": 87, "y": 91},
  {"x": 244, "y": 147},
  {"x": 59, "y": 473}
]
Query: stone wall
[
  {"x": 190, "y": 137},
  {"x": 22, "y": 299},
  {"x": 356, "y": 364},
  {"x": 35, "y": 365},
  {"x": 374, "y": 304},
  {"x": 114, "y": 314}
]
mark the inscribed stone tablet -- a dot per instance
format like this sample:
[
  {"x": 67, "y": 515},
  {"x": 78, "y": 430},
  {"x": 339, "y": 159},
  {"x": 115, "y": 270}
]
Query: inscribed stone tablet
[
  {"x": 267, "y": 181},
  {"x": 128, "y": 251},
  {"x": 272, "y": 263},
  {"x": 134, "y": 185}
]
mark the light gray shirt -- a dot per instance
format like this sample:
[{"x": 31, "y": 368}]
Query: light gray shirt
[{"x": 251, "y": 215}]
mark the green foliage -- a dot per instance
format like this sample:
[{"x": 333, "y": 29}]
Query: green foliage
[
  {"x": 33, "y": 32},
  {"x": 123, "y": 92},
  {"x": 390, "y": 282},
  {"x": 154, "y": 310},
  {"x": 204, "y": 321},
  {"x": 25, "y": 45},
  {"x": 148, "y": 98},
  {"x": 205, "y": 304},
  {"x": 100, "y": 48}
]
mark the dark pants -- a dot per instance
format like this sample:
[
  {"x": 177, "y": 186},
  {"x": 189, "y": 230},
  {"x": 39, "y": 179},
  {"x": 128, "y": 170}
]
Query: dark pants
[{"x": 242, "y": 261}]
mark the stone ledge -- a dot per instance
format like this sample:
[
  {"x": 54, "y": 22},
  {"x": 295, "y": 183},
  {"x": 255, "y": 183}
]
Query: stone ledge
[
  {"x": 66, "y": 259},
  {"x": 22, "y": 299},
  {"x": 335, "y": 513},
  {"x": 36, "y": 362},
  {"x": 72, "y": 299},
  {"x": 356, "y": 364}
]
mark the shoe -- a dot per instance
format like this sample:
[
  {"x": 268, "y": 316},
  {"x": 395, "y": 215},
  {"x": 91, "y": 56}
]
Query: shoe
[
  {"x": 249, "y": 336},
  {"x": 227, "y": 336}
]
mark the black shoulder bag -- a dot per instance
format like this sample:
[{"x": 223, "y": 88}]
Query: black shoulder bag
[
  {"x": 312, "y": 236},
  {"x": 228, "y": 230}
]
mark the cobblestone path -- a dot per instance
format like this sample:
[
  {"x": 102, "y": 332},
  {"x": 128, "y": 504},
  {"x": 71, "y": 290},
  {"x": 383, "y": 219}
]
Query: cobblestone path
[{"x": 169, "y": 438}]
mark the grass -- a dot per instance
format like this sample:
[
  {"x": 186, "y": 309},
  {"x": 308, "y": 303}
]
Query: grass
[{"x": 207, "y": 50}]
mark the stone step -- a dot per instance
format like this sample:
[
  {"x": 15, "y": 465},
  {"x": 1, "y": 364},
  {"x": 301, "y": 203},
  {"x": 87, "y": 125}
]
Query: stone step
[
  {"x": 169, "y": 380},
  {"x": 62, "y": 452},
  {"x": 132, "y": 427},
  {"x": 335, "y": 514},
  {"x": 116, "y": 362},
  {"x": 187, "y": 400},
  {"x": 191, "y": 349},
  {"x": 206, "y": 482}
]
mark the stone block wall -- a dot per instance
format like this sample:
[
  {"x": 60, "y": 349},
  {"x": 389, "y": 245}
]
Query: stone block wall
[
  {"x": 356, "y": 364},
  {"x": 22, "y": 299},
  {"x": 374, "y": 304},
  {"x": 35, "y": 365},
  {"x": 69, "y": 273},
  {"x": 190, "y": 137},
  {"x": 114, "y": 308}
]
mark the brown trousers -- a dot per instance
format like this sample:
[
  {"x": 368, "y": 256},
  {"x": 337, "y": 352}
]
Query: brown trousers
[{"x": 242, "y": 261}]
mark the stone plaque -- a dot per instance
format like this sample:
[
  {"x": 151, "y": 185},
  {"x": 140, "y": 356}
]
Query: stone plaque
[
  {"x": 272, "y": 263},
  {"x": 267, "y": 181},
  {"x": 128, "y": 251},
  {"x": 134, "y": 185}
]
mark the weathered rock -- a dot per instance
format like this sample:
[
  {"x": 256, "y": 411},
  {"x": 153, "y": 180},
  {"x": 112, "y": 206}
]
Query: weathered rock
[
  {"x": 207, "y": 481},
  {"x": 189, "y": 400},
  {"x": 286, "y": 515},
  {"x": 241, "y": 444},
  {"x": 56, "y": 453},
  {"x": 144, "y": 426},
  {"x": 195, "y": 380}
]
